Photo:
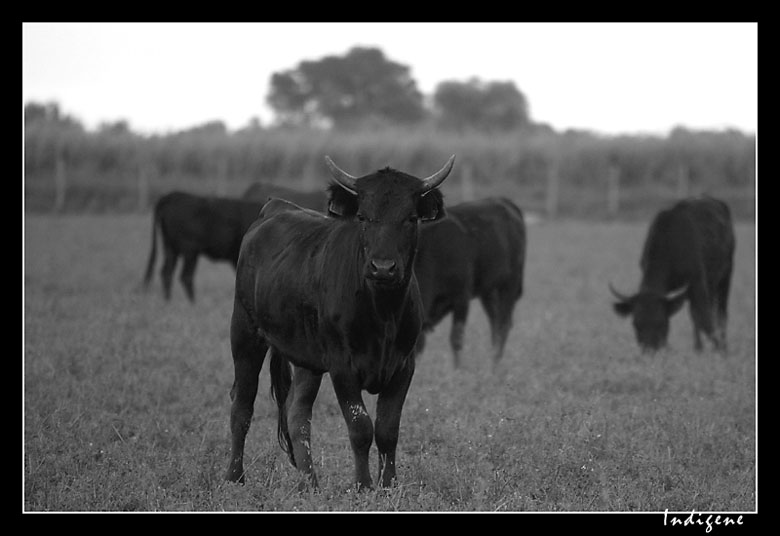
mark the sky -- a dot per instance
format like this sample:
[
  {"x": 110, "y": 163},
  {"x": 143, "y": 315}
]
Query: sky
[{"x": 611, "y": 78}]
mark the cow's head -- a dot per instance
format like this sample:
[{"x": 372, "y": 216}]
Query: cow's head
[
  {"x": 650, "y": 312},
  {"x": 389, "y": 206}
]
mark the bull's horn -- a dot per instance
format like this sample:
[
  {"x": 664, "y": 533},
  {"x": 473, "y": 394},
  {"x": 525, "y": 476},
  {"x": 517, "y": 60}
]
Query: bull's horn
[
  {"x": 676, "y": 293},
  {"x": 437, "y": 178},
  {"x": 344, "y": 179},
  {"x": 619, "y": 295}
]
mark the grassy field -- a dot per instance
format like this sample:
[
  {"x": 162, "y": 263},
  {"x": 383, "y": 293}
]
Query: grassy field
[{"x": 126, "y": 400}]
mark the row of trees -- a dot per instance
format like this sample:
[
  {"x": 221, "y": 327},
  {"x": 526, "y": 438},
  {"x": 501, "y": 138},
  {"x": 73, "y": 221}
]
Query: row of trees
[
  {"x": 363, "y": 87},
  {"x": 725, "y": 157}
]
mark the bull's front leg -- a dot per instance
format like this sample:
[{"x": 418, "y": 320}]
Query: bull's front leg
[
  {"x": 701, "y": 311},
  {"x": 303, "y": 392},
  {"x": 389, "y": 405},
  {"x": 361, "y": 429},
  {"x": 248, "y": 356}
]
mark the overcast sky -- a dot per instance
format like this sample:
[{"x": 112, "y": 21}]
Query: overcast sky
[{"x": 613, "y": 78}]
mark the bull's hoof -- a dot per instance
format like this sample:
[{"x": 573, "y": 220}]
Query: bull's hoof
[{"x": 236, "y": 475}]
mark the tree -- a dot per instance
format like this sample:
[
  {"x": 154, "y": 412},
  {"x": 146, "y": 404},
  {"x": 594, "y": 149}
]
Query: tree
[
  {"x": 49, "y": 114},
  {"x": 209, "y": 128},
  {"x": 121, "y": 127},
  {"x": 487, "y": 106},
  {"x": 345, "y": 91}
]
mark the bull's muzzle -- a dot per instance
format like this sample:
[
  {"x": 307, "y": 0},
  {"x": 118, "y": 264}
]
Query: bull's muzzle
[{"x": 384, "y": 270}]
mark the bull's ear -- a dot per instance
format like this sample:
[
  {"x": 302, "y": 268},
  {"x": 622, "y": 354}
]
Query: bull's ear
[
  {"x": 623, "y": 308},
  {"x": 430, "y": 207},
  {"x": 341, "y": 203}
]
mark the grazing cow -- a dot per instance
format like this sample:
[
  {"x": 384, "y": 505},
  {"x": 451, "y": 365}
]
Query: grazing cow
[
  {"x": 478, "y": 251},
  {"x": 332, "y": 294},
  {"x": 263, "y": 191},
  {"x": 688, "y": 255},
  {"x": 191, "y": 225}
]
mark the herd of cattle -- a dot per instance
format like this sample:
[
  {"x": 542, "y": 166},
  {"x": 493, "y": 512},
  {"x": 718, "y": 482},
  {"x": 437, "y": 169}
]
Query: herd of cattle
[{"x": 349, "y": 279}]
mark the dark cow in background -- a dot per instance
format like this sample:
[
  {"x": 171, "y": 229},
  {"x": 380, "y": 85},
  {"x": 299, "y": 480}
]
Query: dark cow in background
[
  {"x": 478, "y": 251},
  {"x": 191, "y": 225},
  {"x": 332, "y": 294},
  {"x": 263, "y": 191},
  {"x": 688, "y": 255}
]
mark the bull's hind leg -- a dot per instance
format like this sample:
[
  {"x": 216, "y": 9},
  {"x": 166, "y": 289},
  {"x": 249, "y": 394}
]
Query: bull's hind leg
[
  {"x": 248, "y": 355},
  {"x": 701, "y": 311},
  {"x": 303, "y": 392},
  {"x": 499, "y": 305},
  {"x": 171, "y": 256},
  {"x": 188, "y": 274},
  {"x": 459, "y": 314},
  {"x": 419, "y": 347},
  {"x": 389, "y": 404},
  {"x": 359, "y": 425},
  {"x": 721, "y": 309}
]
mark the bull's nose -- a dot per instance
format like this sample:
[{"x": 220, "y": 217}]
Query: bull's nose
[{"x": 382, "y": 268}]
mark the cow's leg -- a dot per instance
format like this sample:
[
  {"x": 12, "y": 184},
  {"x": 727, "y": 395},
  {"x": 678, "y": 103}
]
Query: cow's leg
[
  {"x": 303, "y": 392},
  {"x": 459, "y": 314},
  {"x": 701, "y": 311},
  {"x": 420, "y": 346},
  {"x": 188, "y": 273},
  {"x": 248, "y": 355},
  {"x": 499, "y": 305},
  {"x": 359, "y": 425},
  {"x": 168, "y": 266},
  {"x": 722, "y": 306},
  {"x": 697, "y": 344},
  {"x": 388, "y": 421},
  {"x": 500, "y": 337},
  {"x": 490, "y": 303}
]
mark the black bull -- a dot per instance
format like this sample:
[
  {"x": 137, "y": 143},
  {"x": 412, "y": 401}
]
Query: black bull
[
  {"x": 688, "y": 255},
  {"x": 191, "y": 225},
  {"x": 478, "y": 251},
  {"x": 332, "y": 294}
]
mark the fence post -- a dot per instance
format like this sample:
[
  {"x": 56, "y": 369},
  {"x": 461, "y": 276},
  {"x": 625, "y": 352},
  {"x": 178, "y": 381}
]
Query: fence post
[
  {"x": 59, "y": 184},
  {"x": 467, "y": 184},
  {"x": 683, "y": 186},
  {"x": 222, "y": 167},
  {"x": 553, "y": 185},
  {"x": 613, "y": 190},
  {"x": 309, "y": 179},
  {"x": 143, "y": 187}
]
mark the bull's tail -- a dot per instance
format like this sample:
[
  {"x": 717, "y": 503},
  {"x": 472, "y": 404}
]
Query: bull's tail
[
  {"x": 281, "y": 379},
  {"x": 153, "y": 253}
]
